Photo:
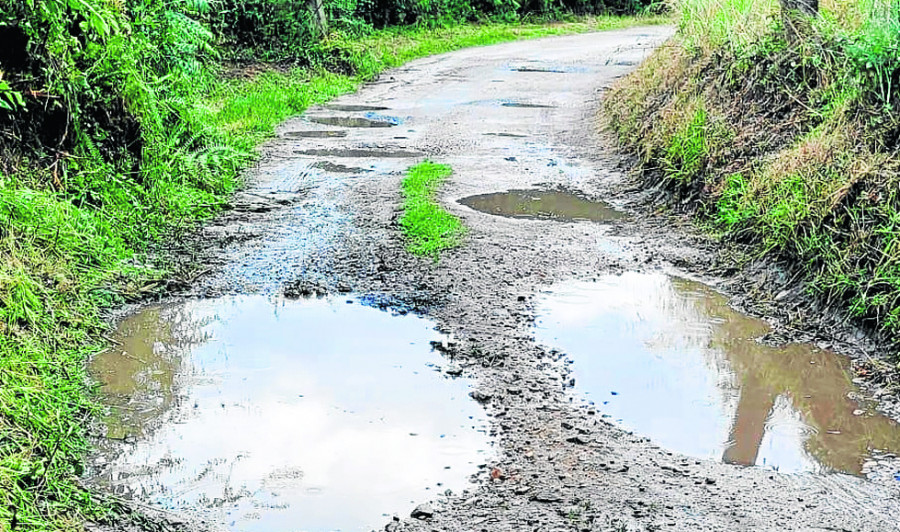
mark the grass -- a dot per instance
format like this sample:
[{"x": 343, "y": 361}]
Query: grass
[
  {"x": 787, "y": 147},
  {"x": 77, "y": 238},
  {"x": 428, "y": 227}
]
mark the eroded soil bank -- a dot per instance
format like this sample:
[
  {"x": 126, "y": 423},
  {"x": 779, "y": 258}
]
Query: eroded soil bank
[{"x": 320, "y": 218}]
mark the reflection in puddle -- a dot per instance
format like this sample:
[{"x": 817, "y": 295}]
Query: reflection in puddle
[
  {"x": 544, "y": 205},
  {"x": 671, "y": 360},
  {"x": 309, "y": 414},
  {"x": 349, "y": 121}
]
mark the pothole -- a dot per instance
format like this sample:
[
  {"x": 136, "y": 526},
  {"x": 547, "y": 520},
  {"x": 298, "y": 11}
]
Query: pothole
[
  {"x": 543, "y": 205},
  {"x": 339, "y": 168},
  {"x": 315, "y": 134},
  {"x": 511, "y": 135},
  {"x": 528, "y": 105},
  {"x": 353, "y": 108},
  {"x": 360, "y": 153},
  {"x": 350, "y": 121},
  {"x": 269, "y": 414},
  {"x": 669, "y": 359}
]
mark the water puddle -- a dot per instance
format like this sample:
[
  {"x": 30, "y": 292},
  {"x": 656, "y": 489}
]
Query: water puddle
[
  {"x": 361, "y": 154},
  {"x": 265, "y": 414},
  {"x": 528, "y": 105},
  {"x": 669, "y": 359},
  {"x": 314, "y": 134},
  {"x": 339, "y": 168},
  {"x": 511, "y": 135},
  {"x": 550, "y": 69},
  {"x": 543, "y": 205},
  {"x": 349, "y": 121},
  {"x": 352, "y": 108}
]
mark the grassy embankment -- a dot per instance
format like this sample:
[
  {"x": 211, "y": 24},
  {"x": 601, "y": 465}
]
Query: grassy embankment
[
  {"x": 110, "y": 142},
  {"x": 428, "y": 227},
  {"x": 786, "y": 146}
]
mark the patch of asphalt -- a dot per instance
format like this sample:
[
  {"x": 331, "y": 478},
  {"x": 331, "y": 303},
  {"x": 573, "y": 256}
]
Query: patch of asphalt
[{"x": 559, "y": 465}]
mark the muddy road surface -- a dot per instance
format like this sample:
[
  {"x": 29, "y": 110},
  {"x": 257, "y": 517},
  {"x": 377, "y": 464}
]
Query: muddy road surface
[{"x": 564, "y": 369}]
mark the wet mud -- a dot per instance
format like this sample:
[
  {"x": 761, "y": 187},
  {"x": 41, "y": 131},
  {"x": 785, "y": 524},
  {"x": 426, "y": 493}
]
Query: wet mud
[
  {"x": 314, "y": 134},
  {"x": 567, "y": 453},
  {"x": 527, "y": 105},
  {"x": 353, "y": 108},
  {"x": 360, "y": 153},
  {"x": 558, "y": 206},
  {"x": 340, "y": 168},
  {"x": 350, "y": 121}
]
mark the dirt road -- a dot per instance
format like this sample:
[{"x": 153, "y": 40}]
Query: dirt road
[{"x": 320, "y": 217}]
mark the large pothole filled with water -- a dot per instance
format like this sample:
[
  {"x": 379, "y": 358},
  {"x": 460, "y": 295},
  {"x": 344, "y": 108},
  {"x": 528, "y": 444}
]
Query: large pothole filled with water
[
  {"x": 261, "y": 414},
  {"x": 554, "y": 205},
  {"x": 669, "y": 359}
]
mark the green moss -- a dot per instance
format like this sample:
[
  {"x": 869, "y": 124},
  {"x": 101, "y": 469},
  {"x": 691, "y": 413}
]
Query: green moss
[{"x": 428, "y": 227}]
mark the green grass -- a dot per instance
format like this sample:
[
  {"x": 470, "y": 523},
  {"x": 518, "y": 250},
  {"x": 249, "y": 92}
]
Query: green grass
[
  {"x": 428, "y": 227},
  {"x": 77, "y": 238},
  {"x": 784, "y": 146}
]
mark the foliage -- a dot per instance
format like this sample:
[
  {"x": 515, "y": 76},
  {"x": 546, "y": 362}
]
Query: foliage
[
  {"x": 429, "y": 228},
  {"x": 802, "y": 166}
]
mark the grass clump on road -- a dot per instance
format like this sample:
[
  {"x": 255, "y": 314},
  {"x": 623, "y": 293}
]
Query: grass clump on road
[
  {"x": 781, "y": 129},
  {"x": 429, "y": 228}
]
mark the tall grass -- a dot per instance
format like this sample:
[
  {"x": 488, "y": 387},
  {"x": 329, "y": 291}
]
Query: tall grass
[{"x": 785, "y": 145}]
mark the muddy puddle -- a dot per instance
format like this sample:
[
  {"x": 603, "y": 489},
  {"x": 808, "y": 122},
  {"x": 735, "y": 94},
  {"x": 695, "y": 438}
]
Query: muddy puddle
[
  {"x": 669, "y": 359},
  {"x": 315, "y": 134},
  {"x": 528, "y": 105},
  {"x": 543, "y": 205},
  {"x": 340, "y": 168},
  {"x": 360, "y": 153},
  {"x": 353, "y": 108},
  {"x": 350, "y": 121},
  {"x": 269, "y": 414}
]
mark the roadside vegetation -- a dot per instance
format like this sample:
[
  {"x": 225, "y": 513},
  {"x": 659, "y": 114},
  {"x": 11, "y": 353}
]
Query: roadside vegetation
[
  {"x": 778, "y": 124},
  {"x": 429, "y": 228},
  {"x": 124, "y": 123}
]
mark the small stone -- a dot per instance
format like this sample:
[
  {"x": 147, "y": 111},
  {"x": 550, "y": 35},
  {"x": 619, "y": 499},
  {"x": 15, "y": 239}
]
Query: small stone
[
  {"x": 422, "y": 511},
  {"x": 480, "y": 396},
  {"x": 858, "y": 412},
  {"x": 547, "y": 496},
  {"x": 454, "y": 370}
]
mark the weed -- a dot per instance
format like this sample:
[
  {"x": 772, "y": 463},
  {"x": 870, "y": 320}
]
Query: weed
[
  {"x": 428, "y": 227},
  {"x": 788, "y": 145}
]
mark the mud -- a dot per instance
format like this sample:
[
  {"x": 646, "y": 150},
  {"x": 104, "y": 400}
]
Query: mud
[
  {"x": 267, "y": 415},
  {"x": 558, "y": 464},
  {"x": 360, "y": 153},
  {"x": 354, "y": 108},
  {"x": 527, "y": 105},
  {"x": 350, "y": 121},
  {"x": 339, "y": 168},
  {"x": 314, "y": 134},
  {"x": 510, "y": 135}
]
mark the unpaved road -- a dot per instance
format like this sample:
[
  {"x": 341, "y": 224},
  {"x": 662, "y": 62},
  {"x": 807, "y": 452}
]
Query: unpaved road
[{"x": 317, "y": 218}]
